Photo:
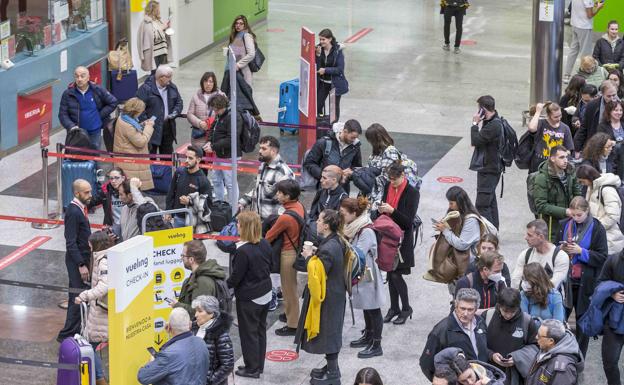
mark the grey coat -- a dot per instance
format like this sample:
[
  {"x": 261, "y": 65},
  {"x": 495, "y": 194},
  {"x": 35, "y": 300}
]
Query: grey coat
[
  {"x": 560, "y": 366},
  {"x": 368, "y": 295},
  {"x": 329, "y": 340}
]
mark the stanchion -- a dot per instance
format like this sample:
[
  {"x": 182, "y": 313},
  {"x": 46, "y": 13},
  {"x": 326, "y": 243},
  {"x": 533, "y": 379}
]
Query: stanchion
[
  {"x": 46, "y": 214},
  {"x": 59, "y": 181}
]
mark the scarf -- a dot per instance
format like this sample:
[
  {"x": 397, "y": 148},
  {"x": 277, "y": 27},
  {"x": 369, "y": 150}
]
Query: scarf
[
  {"x": 132, "y": 121},
  {"x": 394, "y": 194},
  {"x": 351, "y": 229},
  {"x": 582, "y": 236}
]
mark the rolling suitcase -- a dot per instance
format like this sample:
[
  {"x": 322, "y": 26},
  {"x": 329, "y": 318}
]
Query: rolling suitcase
[
  {"x": 288, "y": 111},
  {"x": 78, "y": 352},
  {"x": 71, "y": 171},
  {"x": 124, "y": 86}
]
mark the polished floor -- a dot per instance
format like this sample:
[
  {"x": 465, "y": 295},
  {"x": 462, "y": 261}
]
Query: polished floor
[{"x": 400, "y": 77}]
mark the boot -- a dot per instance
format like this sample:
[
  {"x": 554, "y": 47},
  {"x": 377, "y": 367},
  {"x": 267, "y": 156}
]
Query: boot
[
  {"x": 101, "y": 381},
  {"x": 318, "y": 372},
  {"x": 400, "y": 320},
  {"x": 330, "y": 377},
  {"x": 363, "y": 341},
  {"x": 373, "y": 350},
  {"x": 391, "y": 314}
]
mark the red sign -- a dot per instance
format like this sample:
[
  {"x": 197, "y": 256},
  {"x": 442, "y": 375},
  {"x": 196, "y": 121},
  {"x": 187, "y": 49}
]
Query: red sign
[
  {"x": 450, "y": 179},
  {"x": 95, "y": 73},
  {"x": 307, "y": 89},
  {"x": 47, "y": 35},
  {"x": 32, "y": 111},
  {"x": 45, "y": 134},
  {"x": 281, "y": 355}
]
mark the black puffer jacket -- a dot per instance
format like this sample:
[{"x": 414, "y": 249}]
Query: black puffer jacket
[
  {"x": 605, "y": 54},
  {"x": 220, "y": 349}
]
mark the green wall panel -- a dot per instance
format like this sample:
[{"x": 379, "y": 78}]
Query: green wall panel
[
  {"x": 613, "y": 10},
  {"x": 226, "y": 10}
]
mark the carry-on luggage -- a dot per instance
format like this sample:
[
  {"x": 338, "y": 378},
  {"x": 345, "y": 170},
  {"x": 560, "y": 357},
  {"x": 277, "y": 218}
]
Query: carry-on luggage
[
  {"x": 220, "y": 215},
  {"x": 161, "y": 175},
  {"x": 124, "y": 84},
  {"x": 70, "y": 171},
  {"x": 288, "y": 111},
  {"x": 76, "y": 351}
]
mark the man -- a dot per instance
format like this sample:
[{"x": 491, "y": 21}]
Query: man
[
  {"x": 163, "y": 101},
  {"x": 221, "y": 144},
  {"x": 559, "y": 360},
  {"x": 342, "y": 150},
  {"x": 612, "y": 342},
  {"x": 273, "y": 169},
  {"x": 331, "y": 193},
  {"x": 554, "y": 260},
  {"x": 86, "y": 105},
  {"x": 185, "y": 181},
  {"x": 609, "y": 49},
  {"x": 510, "y": 334},
  {"x": 486, "y": 159},
  {"x": 78, "y": 253},
  {"x": 183, "y": 360},
  {"x": 203, "y": 275},
  {"x": 554, "y": 187},
  {"x": 462, "y": 329},
  {"x": 487, "y": 280},
  {"x": 582, "y": 13},
  {"x": 594, "y": 113},
  {"x": 132, "y": 198},
  {"x": 589, "y": 92}
]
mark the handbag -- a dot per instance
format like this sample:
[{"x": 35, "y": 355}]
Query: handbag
[
  {"x": 120, "y": 58},
  {"x": 258, "y": 59}
]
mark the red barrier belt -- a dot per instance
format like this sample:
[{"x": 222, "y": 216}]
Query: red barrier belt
[
  {"x": 292, "y": 125},
  {"x": 122, "y": 154}
]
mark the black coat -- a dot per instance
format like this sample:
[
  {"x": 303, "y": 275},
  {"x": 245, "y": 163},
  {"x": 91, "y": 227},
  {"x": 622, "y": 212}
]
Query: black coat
[
  {"x": 154, "y": 106},
  {"x": 104, "y": 197},
  {"x": 334, "y": 64},
  {"x": 607, "y": 55},
  {"x": 447, "y": 333},
  {"x": 329, "y": 340},
  {"x": 487, "y": 290},
  {"x": 244, "y": 96},
  {"x": 326, "y": 199},
  {"x": 404, "y": 215},
  {"x": 69, "y": 109},
  {"x": 251, "y": 270},
  {"x": 617, "y": 155},
  {"x": 220, "y": 349},
  {"x": 589, "y": 124},
  {"x": 184, "y": 183},
  {"x": 485, "y": 157},
  {"x": 613, "y": 269},
  {"x": 598, "y": 252},
  {"x": 504, "y": 336},
  {"x": 77, "y": 232},
  {"x": 221, "y": 141}
]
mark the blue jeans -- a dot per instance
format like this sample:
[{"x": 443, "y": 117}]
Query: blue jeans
[
  {"x": 95, "y": 137},
  {"x": 99, "y": 372},
  {"x": 222, "y": 180}
]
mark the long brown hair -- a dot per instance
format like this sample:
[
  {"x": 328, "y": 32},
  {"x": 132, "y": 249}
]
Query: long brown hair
[
  {"x": 535, "y": 274},
  {"x": 379, "y": 138},
  {"x": 247, "y": 27}
]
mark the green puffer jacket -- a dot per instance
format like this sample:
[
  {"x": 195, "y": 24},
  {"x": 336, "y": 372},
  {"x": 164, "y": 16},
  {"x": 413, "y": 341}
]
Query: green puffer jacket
[
  {"x": 200, "y": 282},
  {"x": 552, "y": 198}
]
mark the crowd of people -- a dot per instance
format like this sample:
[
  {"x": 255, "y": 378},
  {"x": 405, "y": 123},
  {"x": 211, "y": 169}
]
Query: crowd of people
[{"x": 507, "y": 325}]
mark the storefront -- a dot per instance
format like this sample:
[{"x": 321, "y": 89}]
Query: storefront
[{"x": 45, "y": 40}]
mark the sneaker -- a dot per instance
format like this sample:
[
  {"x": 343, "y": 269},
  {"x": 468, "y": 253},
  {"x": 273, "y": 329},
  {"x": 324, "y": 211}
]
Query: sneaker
[
  {"x": 280, "y": 296},
  {"x": 273, "y": 303},
  {"x": 446, "y": 47},
  {"x": 457, "y": 50}
]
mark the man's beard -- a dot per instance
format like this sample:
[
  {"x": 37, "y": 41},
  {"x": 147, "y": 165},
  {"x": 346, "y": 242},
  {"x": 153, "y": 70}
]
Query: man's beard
[{"x": 264, "y": 159}]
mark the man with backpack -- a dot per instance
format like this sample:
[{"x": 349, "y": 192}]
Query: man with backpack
[
  {"x": 486, "y": 160},
  {"x": 205, "y": 279},
  {"x": 487, "y": 280},
  {"x": 339, "y": 149},
  {"x": 330, "y": 194},
  {"x": 554, "y": 260},
  {"x": 185, "y": 181}
]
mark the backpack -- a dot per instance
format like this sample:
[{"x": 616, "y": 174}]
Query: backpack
[
  {"x": 307, "y": 181},
  {"x": 228, "y": 230},
  {"x": 78, "y": 137},
  {"x": 389, "y": 239},
  {"x": 549, "y": 271},
  {"x": 355, "y": 264},
  {"x": 526, "y": 323},
  {"x": 224, "y": 295},
  {"x": 525, "y": 150},
  {"x": 507, "y": 144},
  {"x": 250, "y": 132},
  {"x": 531, "y": 191},
  {"x": 486, "y": 227},
  {"x": 620, "y": 192}
]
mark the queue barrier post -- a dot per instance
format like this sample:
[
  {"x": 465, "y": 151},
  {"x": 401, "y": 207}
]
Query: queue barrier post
[
  {"x": 59, "y": 181},
  {"x": 188, "y": 213},
  {"x": 44, "y": 183}
]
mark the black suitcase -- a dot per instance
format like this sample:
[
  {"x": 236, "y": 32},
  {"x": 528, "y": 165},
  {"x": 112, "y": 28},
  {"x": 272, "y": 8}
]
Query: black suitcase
[{"x": 220, "y": 215}]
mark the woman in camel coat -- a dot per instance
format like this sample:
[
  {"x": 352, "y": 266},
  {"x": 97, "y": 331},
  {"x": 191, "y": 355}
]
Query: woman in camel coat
[{"x": 132, "y": 137}]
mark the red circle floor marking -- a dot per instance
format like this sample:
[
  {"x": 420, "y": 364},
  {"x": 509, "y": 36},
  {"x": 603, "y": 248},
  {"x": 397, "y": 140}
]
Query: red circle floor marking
[
  {"x": 283, "y": 355},
  {"x": 449, "y": 179},
  {"x": 469, "y": 42},
  {"x": 275, "y": 29}
]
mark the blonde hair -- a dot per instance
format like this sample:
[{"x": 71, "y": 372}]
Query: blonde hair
[
  {"x": 579, "y": 203},
  {"x": 250, "y": 226},
  {"x": 588, "y": 64},
  {"x": 134, "y": 107},
  {"x": 150, "y": 9}
]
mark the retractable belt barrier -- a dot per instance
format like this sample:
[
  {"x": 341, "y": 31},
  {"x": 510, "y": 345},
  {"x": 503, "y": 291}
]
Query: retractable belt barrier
[{"x": 41, "y": 364}]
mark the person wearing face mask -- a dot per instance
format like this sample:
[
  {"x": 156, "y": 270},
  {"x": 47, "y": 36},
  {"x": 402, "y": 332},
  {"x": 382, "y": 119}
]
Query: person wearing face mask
[
  {"x": 585, "y": 240},
  {"x": 593, "y": 115},
  {"x": 549, "y": 133},
  {"x": 487, "y": 280},
  {"x": 538, "y": 296},
  {"x": 489, "y": 242}
]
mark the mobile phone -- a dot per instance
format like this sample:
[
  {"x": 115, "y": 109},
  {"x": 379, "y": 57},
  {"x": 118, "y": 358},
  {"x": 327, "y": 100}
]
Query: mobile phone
[
  {"x": 151, "y": 351},
  {"x": 563, "y": 242},
  {"x": 481, "y": 112},
  {"x": 152, "y": 118},
  {"x": 433, "y": 221},
  {"x": 168, "y": 300}
]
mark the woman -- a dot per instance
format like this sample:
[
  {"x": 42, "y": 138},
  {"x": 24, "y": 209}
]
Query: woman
[
  {"x": 615, "y": 75},
  {"x": 604, "y": 203},
  {"x": 368, "y": 294},
  {"x": 585, "y": 240},
  {"x": 489, "y": 243},
  {"x": 456, "y": 369},
  {"x": 597, "y": 153},
  {"x": 400, "y": 203},
  {"x": 251, "y": 280},
  {"x": 96, "y": 328},
  {"x": 243, "y": 43},
  {"x": 213, "y": 326},
  {"x": 571, "y": 98},
  {"x": 609, "y": 49},
  {"x": 153, "y": 43},
  {"x": 450, "y": 8},
  {"x": 538, "y": 296},
  {"x": 328, "y": 341},
  {"x": 108, "y": 197},
  {"x": 132, "y": 137},
  {"x": 611, "y": 122},
  {"x": 367, "y": 376},
  {"x": 549, "y": 132},
  {"x": 330, "y": 64},
  {"x": 199, "y": 113},
  {"x": 591, "y": 71}
]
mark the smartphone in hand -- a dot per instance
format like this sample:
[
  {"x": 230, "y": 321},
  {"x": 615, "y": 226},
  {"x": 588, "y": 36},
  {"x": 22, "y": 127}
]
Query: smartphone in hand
[{"x": 151, "y": 351}]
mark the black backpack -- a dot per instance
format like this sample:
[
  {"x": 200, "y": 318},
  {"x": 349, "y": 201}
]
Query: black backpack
[
  {"x": 549, "y": 272},
  {"x": 250, "y": 132},
  {"x": 508, "y": 143},
  {"x": 78, "y": 137},
  {"x": 223, "y": 295},
  {"x": 620, "y": 192},
  {"x": 525, "y": 150}
]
